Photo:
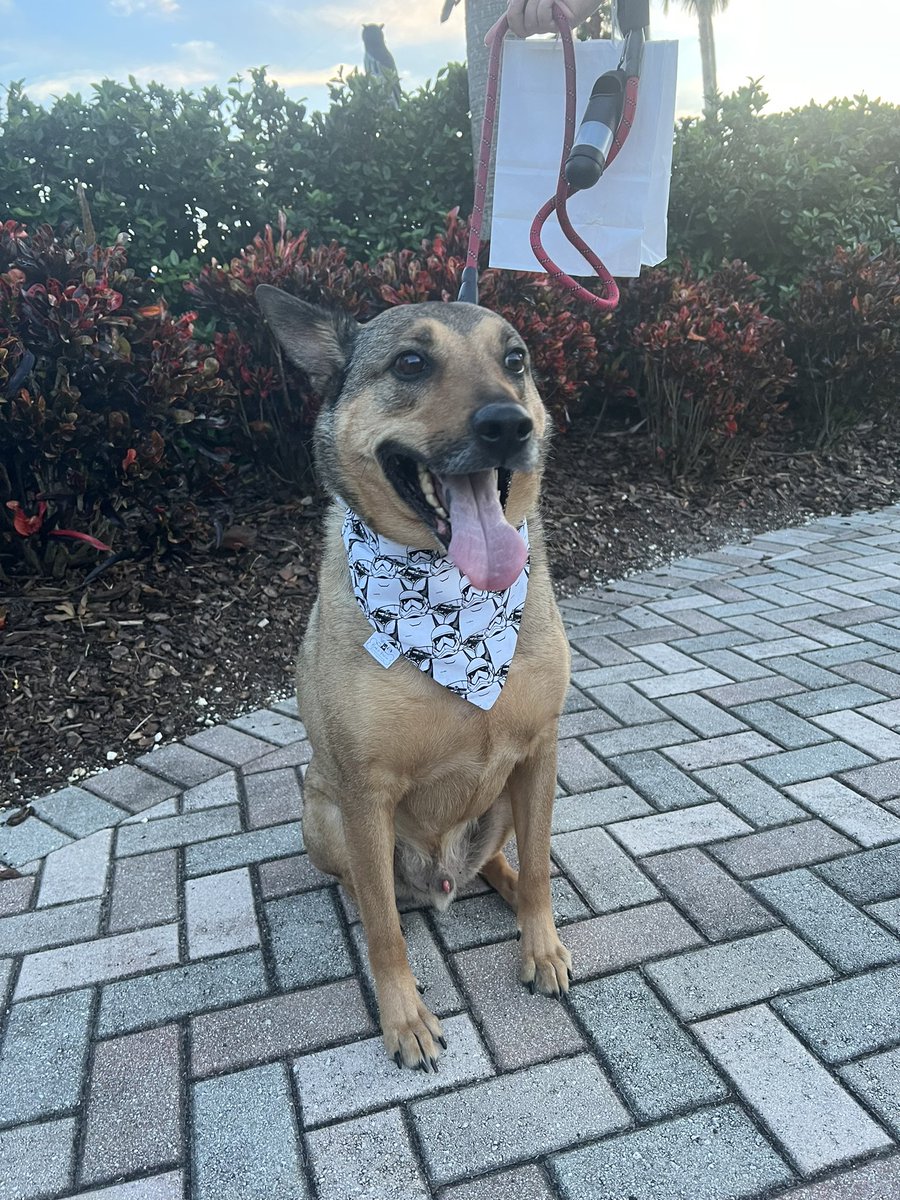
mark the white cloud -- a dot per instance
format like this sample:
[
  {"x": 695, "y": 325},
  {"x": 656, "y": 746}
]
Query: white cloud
[
  {"x": 162, "y": 8},
  {"x": 405, "y": 23},
  {"x": 193, "y": 64}
]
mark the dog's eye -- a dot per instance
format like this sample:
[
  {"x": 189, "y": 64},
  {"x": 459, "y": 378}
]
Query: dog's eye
[
  {"x": 409, "y": 364},
  {"x": 515, "y": 361}
]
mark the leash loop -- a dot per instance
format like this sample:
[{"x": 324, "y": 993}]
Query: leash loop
[{"x": 557, "y": 203}]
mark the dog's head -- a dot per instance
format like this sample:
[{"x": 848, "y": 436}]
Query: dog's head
[{"x": 431, "y": 425}]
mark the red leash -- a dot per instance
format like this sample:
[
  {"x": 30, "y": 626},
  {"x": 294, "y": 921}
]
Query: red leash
[{"x": 564, "y": 189}]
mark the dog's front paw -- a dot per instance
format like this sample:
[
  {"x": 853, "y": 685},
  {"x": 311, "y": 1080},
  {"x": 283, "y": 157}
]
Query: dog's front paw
[
  {"x": 413, "y": 1036},
  {"x": 546, "y": 965}
]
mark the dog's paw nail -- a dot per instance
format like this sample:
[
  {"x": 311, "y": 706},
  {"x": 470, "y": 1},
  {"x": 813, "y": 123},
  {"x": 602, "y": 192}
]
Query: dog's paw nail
[
  {"x": 571, "y": 976},
  {"x": 421, "y": 988},
  {"x": 434, "y": 1065},
  {"x": 443, "y": 1042},
  {"x": 518, "y": 935},
  {"x": 399, "y": 1061},
  {"x": 530, "y": 986}
]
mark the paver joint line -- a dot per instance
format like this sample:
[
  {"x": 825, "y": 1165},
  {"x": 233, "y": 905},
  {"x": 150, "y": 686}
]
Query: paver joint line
[{"x": 186, "y": 1001}]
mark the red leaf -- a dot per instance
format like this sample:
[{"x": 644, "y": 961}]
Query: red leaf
[
  {"x": 22, "y": 523},
  {"x": 129, "y": 459},
  {"x": 81, "y": 537}
]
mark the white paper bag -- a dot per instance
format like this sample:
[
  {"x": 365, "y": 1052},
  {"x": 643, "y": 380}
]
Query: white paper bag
[{"x": 623, "y": 217}]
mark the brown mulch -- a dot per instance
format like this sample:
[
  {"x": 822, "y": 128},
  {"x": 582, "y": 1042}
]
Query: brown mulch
[{"x": 157, "y": 650}]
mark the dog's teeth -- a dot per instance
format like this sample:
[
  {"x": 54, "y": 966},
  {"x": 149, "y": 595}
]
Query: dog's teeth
[{"x": 441, "y": 511}]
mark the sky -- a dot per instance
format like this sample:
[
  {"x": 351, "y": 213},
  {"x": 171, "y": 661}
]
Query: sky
[{"x": 803, "y": 49}]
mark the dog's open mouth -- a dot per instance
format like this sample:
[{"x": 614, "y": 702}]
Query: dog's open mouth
[{"x": 466, "y": 513}]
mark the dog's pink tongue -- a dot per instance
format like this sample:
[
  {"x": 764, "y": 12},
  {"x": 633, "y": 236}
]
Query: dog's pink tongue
[{"x": 483, "y": 545}]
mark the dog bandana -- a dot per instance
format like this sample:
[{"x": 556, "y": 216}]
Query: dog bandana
[{"x": 422, "y": 607}]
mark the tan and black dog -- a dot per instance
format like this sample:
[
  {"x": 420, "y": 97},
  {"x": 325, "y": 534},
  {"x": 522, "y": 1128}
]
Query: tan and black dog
[{"x": 433, "y": 432}]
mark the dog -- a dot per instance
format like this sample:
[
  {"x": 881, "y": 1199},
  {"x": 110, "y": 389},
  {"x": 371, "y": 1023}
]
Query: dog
[{"x": 432, "y": 439}]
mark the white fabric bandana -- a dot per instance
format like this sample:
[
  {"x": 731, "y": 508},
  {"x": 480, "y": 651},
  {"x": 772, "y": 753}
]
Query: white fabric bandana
[{"x": 423, "y": 607}]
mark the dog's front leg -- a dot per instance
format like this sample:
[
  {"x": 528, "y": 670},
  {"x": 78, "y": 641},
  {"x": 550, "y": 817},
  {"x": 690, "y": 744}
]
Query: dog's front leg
[
  {"x": 411, "y": 1032},
  {"x": 545, "y": 962}
]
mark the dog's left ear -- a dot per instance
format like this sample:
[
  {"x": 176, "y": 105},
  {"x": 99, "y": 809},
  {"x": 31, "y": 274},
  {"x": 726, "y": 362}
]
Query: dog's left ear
[{"x": 317, "y": 340}]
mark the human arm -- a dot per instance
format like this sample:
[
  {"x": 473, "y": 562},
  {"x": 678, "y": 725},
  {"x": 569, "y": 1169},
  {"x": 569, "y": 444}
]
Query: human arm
[{"x": 526, "y": 17}]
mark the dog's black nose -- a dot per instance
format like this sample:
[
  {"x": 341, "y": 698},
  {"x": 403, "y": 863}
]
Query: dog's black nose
[{"x": 503, "y": 429}]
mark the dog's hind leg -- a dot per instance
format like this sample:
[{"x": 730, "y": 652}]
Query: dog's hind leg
[
  {"x": 323, "y": 829},
  {"x": 502, "y": 878}
]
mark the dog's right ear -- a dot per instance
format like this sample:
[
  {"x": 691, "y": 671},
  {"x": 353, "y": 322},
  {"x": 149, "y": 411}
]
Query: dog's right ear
[{"x": 316, "y": 340}]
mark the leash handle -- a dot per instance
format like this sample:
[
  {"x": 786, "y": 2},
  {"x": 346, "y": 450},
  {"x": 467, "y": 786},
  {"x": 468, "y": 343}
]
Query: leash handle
[{"x": 469, "y": 290}]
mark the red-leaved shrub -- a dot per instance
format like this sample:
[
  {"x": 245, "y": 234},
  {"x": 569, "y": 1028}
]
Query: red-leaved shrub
[
  {"x": 844, "y": 334},
  {"x": 110, "y": 411},
  {"x": 714, "y": 366}
]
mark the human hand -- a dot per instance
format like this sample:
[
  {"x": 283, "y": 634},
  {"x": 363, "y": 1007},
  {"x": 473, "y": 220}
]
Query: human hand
[{"x": 526, "y": 17}]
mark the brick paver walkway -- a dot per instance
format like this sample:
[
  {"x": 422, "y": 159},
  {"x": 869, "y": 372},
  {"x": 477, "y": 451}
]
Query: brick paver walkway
[{"x": 188, "y": 1011}]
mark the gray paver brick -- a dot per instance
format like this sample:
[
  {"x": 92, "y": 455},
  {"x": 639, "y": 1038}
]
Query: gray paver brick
[
  {"x": 170, "y": 994},
  {"x": 638, "y": 737},
  {"x": 718, "y": 751},
  {"x": 215, "y": 793},
  {"x": 604, "y": 874},
  {"x": 840, "y": 932},
  {"x": 579, "y": 770},
  {"x": 182, "y": 764},
  {"x": 874, "y": 1179},
  {"x": 35, "y": 1159},
  {"x": 873, "y": 678},
  {"x": 797, "y": 766},
  {"x": 25, "y": 843},
  {"x": 77, "y": 871},
  {"x": 293, "y": 755},
  {"x": 858, "y": 818},
  {"x": 859, "y": 731},
  {"x": 347, "y": 1080},
  {"x": 144, "y": 891},
  {"x": 231, "y": 745},
  {"x": 489, "y": 919},
  {"x": 516, "y": 1117},
  {"x": 370, "y": 1158},
  {"x": 169, "y": 1186},
  {"x": 737, "y": 973},
  {"x": 93, "y": 962},
  {"x": 306, "y": 939},
  {"x": 520, "y": 1029},
  {"x": 624, "y": 939},
  {"x": 521, "y": 1183},
  {"x": 749, "y": 796},
  {"x": 719, "y": 907},
  {"x": 134, "y": 1107},
  {"x": 245, "y": 1141},
  {"x": 767, "y": 687},
  {"x": 241, "y": 849},
  {"x": 597, "y": 808},
  {"x": 685, "y": 681},
  {"x": 784, "y": 727},
  {"x": 651, "y": 1058},
  {"x": 877, "y": 1081},
  {"x": 778, "y": 849},
  {"x": 426, "y": 962},
  {"x": 46, "y": 927},
  {"x": 15, "y": 894},
  {"x": 177, "y": 831},
  {"x": 838, "y": 656},
  {"x": 887, "y": 712},
  {"x": 829, "y": 699},
  {"x": 867, "y": 877},
  {"x": 809, "y": 1114},
  {"x": 713, "y": 1155},
  {"x": 43, "y": 1055},
  {"x": 881, "y": 782},
  {"x": 626, "y": 704},
  {"x": 731, "y": 664},
  {"x": 684, "y": 827},
  {"x": 273, "y": 724},
  {"x": 220, "y": 913},
  {"x": 600, "y": 649},
  {"x": 132, "y": 788},
  {"x": 277, "y": 1027},
  {"x": 706, "y": 719},
  {"x": 888, "y": 913},
  {"x": 660, "y": 781},
  {"x": 851, "y": 1017},
  {"x": 77, "y": 812},
  {"x": 284, "y": 876},
  {"x": 586, "y": 720}
]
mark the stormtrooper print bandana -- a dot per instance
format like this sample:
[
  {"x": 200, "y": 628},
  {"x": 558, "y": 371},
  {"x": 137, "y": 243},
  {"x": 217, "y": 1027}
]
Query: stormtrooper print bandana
[{"x": 424, "y": 608}]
